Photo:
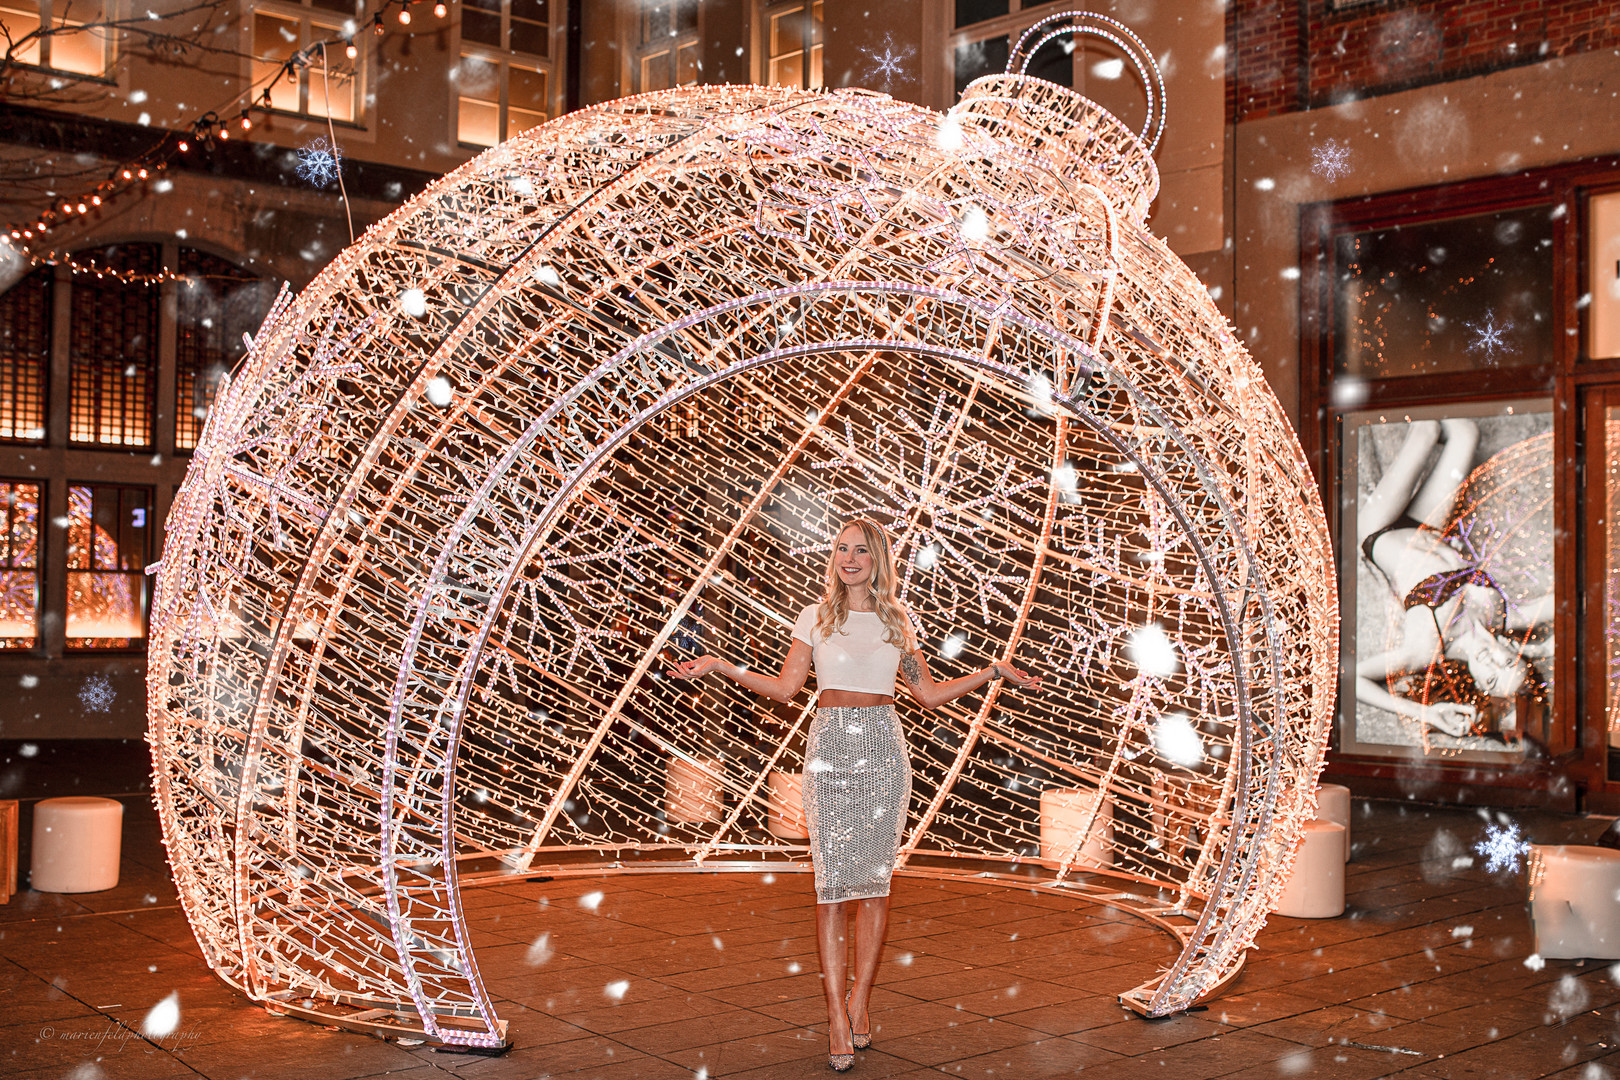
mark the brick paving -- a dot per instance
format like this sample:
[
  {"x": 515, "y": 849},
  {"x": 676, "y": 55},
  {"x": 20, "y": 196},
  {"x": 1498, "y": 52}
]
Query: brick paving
[{"x": 715, "y": 975}]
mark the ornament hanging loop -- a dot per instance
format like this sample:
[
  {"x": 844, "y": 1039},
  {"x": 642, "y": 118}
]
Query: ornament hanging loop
[{"x": 1090, "y": 23}]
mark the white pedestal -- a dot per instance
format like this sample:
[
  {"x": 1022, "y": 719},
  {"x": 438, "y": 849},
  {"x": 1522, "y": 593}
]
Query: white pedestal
[
  {"x": 1065, "y": 812},
  {"x": 784, "y": 792},
  {"x": 76, "y": 844},
  {"x": 1315, "y": 889},
  {"x": 1575, "y": 902},
  {"x": 1333, "y": 804},
  {"x": 692, "y": 790}
]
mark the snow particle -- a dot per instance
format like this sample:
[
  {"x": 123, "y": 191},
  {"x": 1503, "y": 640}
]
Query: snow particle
[{"x": 163, "y": 1019}]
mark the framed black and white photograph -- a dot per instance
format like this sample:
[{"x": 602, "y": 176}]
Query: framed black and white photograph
[{"x": 1447, "y": 571}]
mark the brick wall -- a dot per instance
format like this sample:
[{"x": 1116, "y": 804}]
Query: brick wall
[{"x": 1286, "y": 55}]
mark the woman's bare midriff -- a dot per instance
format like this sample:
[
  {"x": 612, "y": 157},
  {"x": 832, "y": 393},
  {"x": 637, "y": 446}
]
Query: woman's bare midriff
[{"x": 851, "y": 699}]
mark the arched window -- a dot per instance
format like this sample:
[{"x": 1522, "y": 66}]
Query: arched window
[{"x": 144, "y": 333}]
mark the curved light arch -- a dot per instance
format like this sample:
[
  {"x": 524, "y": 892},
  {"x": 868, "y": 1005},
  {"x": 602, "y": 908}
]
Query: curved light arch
[{"x": 383, "y": 490}]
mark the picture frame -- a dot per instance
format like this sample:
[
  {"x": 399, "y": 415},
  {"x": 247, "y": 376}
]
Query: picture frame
[{"x": 1446, "y": 576}]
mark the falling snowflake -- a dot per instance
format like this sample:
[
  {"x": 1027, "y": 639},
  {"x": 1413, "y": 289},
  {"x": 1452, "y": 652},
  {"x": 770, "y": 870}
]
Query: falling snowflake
[
  {"x": 887, "y": 66},
  {"x": 1490, "y": 337},
  {"x": 1502, "y": 847},
  {"x": 1331, "y": 160},
  {"x": 319, "y": 162},
  {"x": 97, "y": 693}
]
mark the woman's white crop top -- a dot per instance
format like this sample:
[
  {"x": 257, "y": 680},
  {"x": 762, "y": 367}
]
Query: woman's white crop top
[{"x": 853, "y": 657}]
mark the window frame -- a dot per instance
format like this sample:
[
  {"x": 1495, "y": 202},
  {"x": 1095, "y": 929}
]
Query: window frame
[
  {"x": 97, "y": 368},
  {"x": 813, "y": 49},
  {"x": 504, "y": 59},
  {"x": 1571, "y": 381},
  {"x": 332, "y": 24},
  {"x": 644, "y": 49},
  {"x": 1017, "y": 20},
  {"x": 45, "y": 279},
  {"x": 47, "y": 13},
  {"x": 150, "y": 526},
  {"x": 39, "y": 566}
]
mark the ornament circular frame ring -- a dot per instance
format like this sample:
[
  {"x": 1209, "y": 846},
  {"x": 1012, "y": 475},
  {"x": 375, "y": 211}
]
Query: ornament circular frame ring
[{"x": 597, "y": 401}]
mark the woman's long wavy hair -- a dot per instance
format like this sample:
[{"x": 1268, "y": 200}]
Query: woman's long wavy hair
[{"x": 834, "y": 607}]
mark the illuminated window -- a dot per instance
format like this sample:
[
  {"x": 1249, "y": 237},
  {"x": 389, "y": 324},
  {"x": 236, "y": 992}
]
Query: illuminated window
[
  {"x": 795, "y": 33},
  {"x": 668, "y": 52},
  {"x": 996, "y": 24},
  {"x": 216, "y": 303},
  {"x": 324, "y": 86},
  {"x": 19, "y": 565},
  {"x": 521, "y": 26},
  {"x": 68, "y": 47},
  {"x": 25, "y": 351},
  {"x": 498, "y": 98},
  {"x": 113, "y": 350},
  {"x": 503, "y": 82},
  {"x": 108, "y": 526}
]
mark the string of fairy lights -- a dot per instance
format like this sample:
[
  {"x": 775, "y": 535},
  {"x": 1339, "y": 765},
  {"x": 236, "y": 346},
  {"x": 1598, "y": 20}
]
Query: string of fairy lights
[
  {"x": 435, "y": 555},
  {"x": 234, "y": 121}
]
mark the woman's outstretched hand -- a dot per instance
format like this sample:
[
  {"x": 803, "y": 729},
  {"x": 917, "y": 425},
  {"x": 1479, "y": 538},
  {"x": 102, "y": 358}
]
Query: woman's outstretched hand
[
  {"x": 1451, "y": 717},
  {"x": 1021, "y": 679},
  {"x": 695, "y": 668}
]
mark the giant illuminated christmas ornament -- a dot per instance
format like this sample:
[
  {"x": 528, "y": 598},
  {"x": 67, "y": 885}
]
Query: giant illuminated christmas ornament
[{"x": 597, "y": 401}]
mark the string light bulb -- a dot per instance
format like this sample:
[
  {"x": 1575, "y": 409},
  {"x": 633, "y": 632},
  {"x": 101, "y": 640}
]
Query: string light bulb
[
  {"x": 439, "y": 11},
  {"x": 184, "y": 146},
  {"x": 404, "y": 16},
  {"x": 247, "y": 122},
  {"x": 350, "y": 49}
]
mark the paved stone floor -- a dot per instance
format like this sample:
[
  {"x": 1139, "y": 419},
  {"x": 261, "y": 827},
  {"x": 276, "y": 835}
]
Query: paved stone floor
[{"x": 715, "y": 975}]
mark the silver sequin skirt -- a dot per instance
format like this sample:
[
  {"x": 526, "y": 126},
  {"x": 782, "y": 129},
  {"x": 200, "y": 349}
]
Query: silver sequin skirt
[{"x": 856, "y": 792}]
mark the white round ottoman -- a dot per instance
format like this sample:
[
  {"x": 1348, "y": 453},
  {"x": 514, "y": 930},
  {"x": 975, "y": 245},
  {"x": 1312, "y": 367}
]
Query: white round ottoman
[
  {"x": 1315, "y": 889},
  {"x": 1575, "y": 901},
  {"x": 76, "y": 844},
  {"x": 1064, "y": 813},
  {"x": 1333, "y": 804},
  {"x": 692, "y": 790}
]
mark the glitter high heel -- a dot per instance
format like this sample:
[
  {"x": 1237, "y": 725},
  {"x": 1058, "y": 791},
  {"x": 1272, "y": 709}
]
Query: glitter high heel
[
  {"x": 840, "y": 1062},
  {"x": 861, "y": 1039}
]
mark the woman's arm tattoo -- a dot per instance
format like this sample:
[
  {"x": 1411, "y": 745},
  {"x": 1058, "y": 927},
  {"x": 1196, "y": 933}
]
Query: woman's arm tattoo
[{"x": 911, "y": 669}]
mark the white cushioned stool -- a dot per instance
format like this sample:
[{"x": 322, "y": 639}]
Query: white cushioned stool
[
  {"x": 692, "y": 790},
  {"x": 1315, "y": 889},
  {"x": 1064, "y": 812},
  {"x": 76, "y": 844},
  {"x": 1333, "y": 804},
  {"x": 1575, "y": 901}
]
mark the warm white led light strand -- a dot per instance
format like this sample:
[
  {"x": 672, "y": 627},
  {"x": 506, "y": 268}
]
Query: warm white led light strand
[{"x": 595, "y": 402}]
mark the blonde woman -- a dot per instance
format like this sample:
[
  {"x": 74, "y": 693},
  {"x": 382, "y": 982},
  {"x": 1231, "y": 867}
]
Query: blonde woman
[{"x": 857, "y": 765}]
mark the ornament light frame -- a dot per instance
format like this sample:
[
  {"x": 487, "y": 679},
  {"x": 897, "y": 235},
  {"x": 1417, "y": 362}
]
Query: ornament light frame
[{"x": 596, "y": 400}]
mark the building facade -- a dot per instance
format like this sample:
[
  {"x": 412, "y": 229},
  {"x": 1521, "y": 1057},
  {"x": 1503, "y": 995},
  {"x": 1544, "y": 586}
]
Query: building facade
[{"x": 1404, "y": 207}]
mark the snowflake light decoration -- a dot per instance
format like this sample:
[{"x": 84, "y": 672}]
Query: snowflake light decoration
[
  {"x": 396, "y": 629},
  {"x": 97, "y": 694},
  {"x": 319, "y": 162},
  {"x": 889, "y": 65},
  {"x": 1502, "y": 848},
  {"x": 1488, "y": 338},
  {"x": 1331, "y": 159}
]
